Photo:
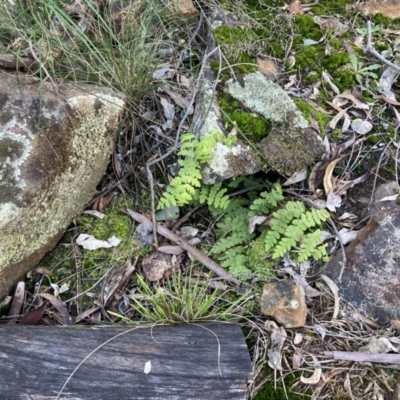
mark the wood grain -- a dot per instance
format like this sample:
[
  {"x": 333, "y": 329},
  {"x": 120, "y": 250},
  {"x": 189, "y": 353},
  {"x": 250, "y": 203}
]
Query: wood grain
[{"x": 207, "y": 361}]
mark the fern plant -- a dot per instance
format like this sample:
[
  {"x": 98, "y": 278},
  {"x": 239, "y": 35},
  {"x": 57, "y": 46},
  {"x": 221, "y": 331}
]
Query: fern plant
[
  {"x": 184, "y": 188},
  {"x": 292, "y": 228}
]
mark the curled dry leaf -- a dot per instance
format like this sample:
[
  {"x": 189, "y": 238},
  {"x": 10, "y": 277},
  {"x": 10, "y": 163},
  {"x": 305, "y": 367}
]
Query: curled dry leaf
[
  {"x": 335, "y": 291},
  {"x": 89, "y": 242},
  {"x": 328, "y": 175},
  {"x": 278, "y": 337},
  {"x": 316, "y": 376},
  {"x": 186, "y": 7},
  {"x": 296, "y": 8},
  {"x": 33, "y": 317},
  {"x": 347, "y": 235},
  {"x": 177, "y": 250},
  {"x": 298, "y": 338},
  {"x": 95, "y": 213},
  {"x": 59, "y": 306},
  {"x": 297, "y": 359},
  {"x": 268, "y": 68},
  {"x": 326, "y": 77},
  {"x": 147, "y": 367},
  {"x": 361, "y": 127},
  {"x": 380, "y": 345},
  {"x": 333, "y": 201},
  {"x": 296, "y": 177},
  {"x": 43, "y": 271},
  {"x": 180, "y": 101},
  {"x": 254, "y": 221}
]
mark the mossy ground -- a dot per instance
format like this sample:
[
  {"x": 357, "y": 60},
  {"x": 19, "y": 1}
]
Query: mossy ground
[
  {"x": 266, "y": 28},
  {"x": 85, "y": 268}
]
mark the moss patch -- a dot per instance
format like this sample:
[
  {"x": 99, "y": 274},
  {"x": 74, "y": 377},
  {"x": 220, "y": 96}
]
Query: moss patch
[
  {"x": 250, "y": 124},
  {"x": 310, "y": 113}
]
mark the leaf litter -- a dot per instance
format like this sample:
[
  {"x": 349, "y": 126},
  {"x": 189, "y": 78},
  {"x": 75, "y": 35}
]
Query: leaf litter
[{"x": 333, "y": 325}]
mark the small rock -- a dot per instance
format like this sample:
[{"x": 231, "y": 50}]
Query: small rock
[
  {"x": 155, "y": 265},
  {"x": 285, "y": 302}
]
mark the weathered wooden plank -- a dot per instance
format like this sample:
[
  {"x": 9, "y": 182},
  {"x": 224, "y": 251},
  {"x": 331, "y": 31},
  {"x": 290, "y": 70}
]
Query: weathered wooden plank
[{"x": 205, "y": 361}]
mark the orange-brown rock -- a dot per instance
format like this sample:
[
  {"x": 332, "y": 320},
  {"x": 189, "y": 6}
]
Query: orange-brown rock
[{"x": 285, "y": 302}]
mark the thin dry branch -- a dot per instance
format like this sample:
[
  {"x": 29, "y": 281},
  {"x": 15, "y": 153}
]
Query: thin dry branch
[
  {"x": 364, "y": 357},
  {"x": 369, "y": 48},
  {"x": 197, "y": 254}
]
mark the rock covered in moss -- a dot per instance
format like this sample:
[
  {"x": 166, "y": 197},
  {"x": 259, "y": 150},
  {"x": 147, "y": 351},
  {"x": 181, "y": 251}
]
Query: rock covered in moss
[
  {"x": 288, "y": 149},
  {"x": 266, "y": 98},
  {"x": 227, "y": 162},
  {"x": 291, "y": 145},
  {"x": 54, "y": 148}
]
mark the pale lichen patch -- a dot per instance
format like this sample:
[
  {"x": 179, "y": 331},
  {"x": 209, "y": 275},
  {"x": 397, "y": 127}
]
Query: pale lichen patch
[{"x": 266, "y": 98}]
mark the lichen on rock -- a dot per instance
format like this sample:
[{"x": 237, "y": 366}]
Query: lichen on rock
[
  {"x": 54, "y": 149},
  {"x": 266, "y": 98},
  {"x": 291, "y": 145}
]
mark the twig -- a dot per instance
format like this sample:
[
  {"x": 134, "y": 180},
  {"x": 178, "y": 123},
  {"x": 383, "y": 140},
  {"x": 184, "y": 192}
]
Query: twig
[
  {"x": 369, "y": 48},
  {"x": 363, "y": 357},
  {"x": 176, "y": 144},
  {"x": 197, "y": 254},
  {"x": 43, "y": 67},
  {"x": 344, "y": 259}
]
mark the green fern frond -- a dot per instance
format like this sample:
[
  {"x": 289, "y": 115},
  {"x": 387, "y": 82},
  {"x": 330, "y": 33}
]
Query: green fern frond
[
  {"x": 311, "y": 247},
  {"x": 267, "y": 201},
  {"x": 236, "y": 262},
  {"x": 236, "y": 238},
  {"x": 290, "y": 229}
]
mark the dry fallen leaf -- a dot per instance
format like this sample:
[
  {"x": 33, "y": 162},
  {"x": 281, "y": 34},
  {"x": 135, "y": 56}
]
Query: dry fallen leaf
[
  {"x": 186, "y": 7},
  {"x": 316, "y": 376},
  {"x": 328, "y": 186},
  {"x": 147, "y": 367},
  {"x": 335, "y": 291},
  {"x": 278, "y": 337},
  {"x": 296, "y": 177},
  {"x": 59, "y": 306},
  {"x": 254, "y": 221},
  {"x": 296, "y": 8},
  {"x": 33, "y": 317},
  {"x": 89, "y": 242},
  {"x": 268, "y": 68}
]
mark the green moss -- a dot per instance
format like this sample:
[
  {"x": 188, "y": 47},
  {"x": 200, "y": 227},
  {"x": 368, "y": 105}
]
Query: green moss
[
  {"x": 306, "y": 29},
  {"x": 310, "y": 113},
  {"x": 335, "y": 44},
  {"x": 373, "y": 139},
  {"x": 257, "y": 262},
  {"x": 272, "y": 391},
  {"x": 250, "y": 124}
]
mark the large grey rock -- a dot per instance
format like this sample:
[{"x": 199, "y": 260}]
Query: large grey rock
[
  {"x": 54, "y": 148},
  {"x": 371, "y": 277},
  {"x": 291, "y": 145}
]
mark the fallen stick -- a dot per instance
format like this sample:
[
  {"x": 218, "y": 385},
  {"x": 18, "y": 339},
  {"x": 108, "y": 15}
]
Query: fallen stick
[
  {"x": 197, "y": 254},
  {"x": 363, "y": 357}
]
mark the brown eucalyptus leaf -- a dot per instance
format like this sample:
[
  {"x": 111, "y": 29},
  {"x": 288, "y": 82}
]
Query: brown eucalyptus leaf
[
  {"x": 328, "y": 175},
  {"x": 59, "y": 306},
  {"x": 33, "y": 317}
]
